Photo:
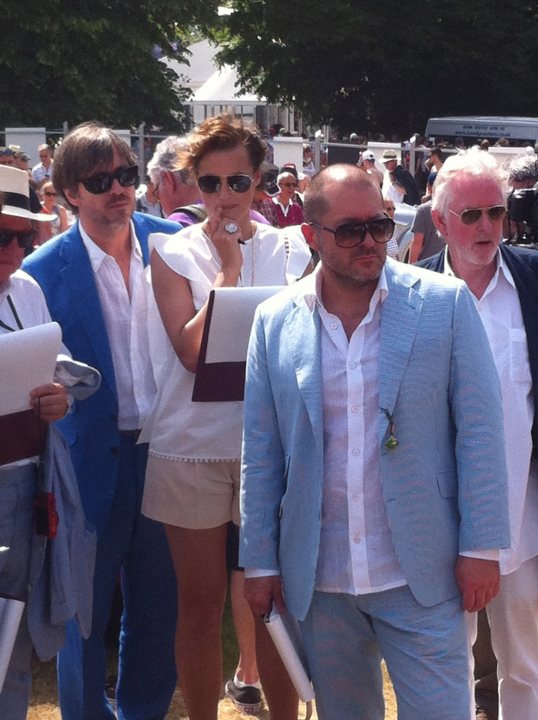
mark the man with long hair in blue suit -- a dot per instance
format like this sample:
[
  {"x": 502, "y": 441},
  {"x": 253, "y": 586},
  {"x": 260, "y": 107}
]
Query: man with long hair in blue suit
[
  {"x": 374, "y": 478},
  {"x": 93, "y": 280}
]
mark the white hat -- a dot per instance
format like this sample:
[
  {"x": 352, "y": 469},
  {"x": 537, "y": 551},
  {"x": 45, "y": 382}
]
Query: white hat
[
  {"x": 388, "y": 156},
  {"x": 368, "y": 155},
  {"x": 15, "y": 187}
]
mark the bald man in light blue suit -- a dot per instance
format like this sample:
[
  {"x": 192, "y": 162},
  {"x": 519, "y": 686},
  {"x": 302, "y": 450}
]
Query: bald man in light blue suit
[{"x": 433, "y": 472}]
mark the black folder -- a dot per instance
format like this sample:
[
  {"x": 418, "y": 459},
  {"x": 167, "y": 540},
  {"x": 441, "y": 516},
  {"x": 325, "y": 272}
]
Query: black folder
[
  {"x": 220, "y": 374},
  {"x": 23, "y": 435}
]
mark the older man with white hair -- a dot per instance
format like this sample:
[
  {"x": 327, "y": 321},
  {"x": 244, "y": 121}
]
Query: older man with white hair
[
  {"x": 174, "y": 187},
  {"x": 469, "y": 201}
]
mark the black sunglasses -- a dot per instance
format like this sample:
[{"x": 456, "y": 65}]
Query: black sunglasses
[
  {"x": 213, "y": 183},
  {"x": 470, "y": 216},
  {"x": 102, "y": 182},
  {"x": 349, "y": 235},
  {"x": 24, "y": 239}
]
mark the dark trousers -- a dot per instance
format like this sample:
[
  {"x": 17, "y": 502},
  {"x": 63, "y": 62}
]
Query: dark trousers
[
  {"x": 485, "y": 669},
  {"x": 134, "y": 549}
]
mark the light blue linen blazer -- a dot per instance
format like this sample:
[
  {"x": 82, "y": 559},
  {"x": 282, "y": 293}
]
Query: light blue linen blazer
[{"x": 444, "y": 485}]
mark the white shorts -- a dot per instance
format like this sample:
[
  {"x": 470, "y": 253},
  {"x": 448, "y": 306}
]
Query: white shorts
[{"x": 194, "y": 495}]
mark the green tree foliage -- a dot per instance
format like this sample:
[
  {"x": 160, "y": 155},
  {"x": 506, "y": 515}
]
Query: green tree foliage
[
  {"x": 73, "y": 60},
  {"x": 386, "y": 65}
]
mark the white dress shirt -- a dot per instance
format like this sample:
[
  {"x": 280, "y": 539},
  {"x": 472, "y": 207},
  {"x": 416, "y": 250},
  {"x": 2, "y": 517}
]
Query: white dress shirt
[
  {"x": 500, "y": 311},
  {"x": 125, "y": 312},
  {"x": 41, "y": 173},
  {"x": 28, "y": 299},
  {"x": 356, "y": 552}
]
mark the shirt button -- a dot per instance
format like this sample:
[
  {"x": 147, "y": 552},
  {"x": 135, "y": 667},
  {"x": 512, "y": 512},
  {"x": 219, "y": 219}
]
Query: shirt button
[
  {"x": 114, "y": 450},
  {"x": 352, "y": 365},
  {"x": 334, "y": 326},
  {"x": 354, "y": 408},
  {"x": 355, "y": 497},
  {"x": 355, "y": 452},
  {"x": 356, "y": 539}
]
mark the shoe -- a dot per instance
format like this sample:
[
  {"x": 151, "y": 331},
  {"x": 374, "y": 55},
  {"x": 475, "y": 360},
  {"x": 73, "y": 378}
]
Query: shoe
[
  {"x": 110, "y": 691},
  {"x": 246, "y": 698}
]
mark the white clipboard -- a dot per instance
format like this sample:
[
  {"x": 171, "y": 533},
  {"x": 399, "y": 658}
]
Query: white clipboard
[{"x": 27, "y": 360}]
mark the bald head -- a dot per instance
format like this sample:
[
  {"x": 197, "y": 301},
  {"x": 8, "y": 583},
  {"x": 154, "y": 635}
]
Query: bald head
[{"x": 316, "y": 199}]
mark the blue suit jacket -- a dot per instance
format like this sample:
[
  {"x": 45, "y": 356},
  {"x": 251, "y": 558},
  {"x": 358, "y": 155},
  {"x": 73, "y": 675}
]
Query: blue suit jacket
[
  {"x": 523, "y": 265},
  {"x": 444, "y": 486},
  {"x": 63, "y": 270}
]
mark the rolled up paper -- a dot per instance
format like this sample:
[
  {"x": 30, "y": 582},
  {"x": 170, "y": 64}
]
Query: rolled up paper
[{"x": 286, "y": 637}]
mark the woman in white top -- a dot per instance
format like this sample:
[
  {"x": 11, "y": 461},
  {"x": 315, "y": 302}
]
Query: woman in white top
[
  {"x": 192, "y": 481},
  {"x": 48, "y": 230}
]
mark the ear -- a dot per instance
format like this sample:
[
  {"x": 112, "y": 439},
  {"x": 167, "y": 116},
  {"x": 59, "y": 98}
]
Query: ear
[
  {"x": 72, "y": 197},
  {"x": 169, "y": 178},
  {"x": 440, "y": 223},
  {"x": 310, "y": 235},
  {"x": 256, "y": 178}
]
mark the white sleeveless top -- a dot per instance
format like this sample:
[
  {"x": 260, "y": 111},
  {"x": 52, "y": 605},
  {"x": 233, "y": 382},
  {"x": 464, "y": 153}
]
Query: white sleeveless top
[{"x": 179, "y": 429}]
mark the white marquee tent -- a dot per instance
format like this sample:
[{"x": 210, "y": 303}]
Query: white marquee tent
[{"x": 216, "y": 90}]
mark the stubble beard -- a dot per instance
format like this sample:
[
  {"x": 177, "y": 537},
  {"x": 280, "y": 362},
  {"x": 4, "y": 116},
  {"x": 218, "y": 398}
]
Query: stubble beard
[{"x": 351, "y": 279}]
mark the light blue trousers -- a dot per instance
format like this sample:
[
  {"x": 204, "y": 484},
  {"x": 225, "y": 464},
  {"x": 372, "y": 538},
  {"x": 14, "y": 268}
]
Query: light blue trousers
[{"x": 425, "y": 649}]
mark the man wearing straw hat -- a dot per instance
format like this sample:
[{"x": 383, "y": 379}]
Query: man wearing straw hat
[{"x": 22, "y": 305}]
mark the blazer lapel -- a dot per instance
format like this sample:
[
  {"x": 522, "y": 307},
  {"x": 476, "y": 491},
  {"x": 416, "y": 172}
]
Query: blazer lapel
[
  {"x": 303, "y": 329},
  {"x": 78, "y": 276},
  {"x": 527, "y": 290},
  {"x": 400, "y": 316}
]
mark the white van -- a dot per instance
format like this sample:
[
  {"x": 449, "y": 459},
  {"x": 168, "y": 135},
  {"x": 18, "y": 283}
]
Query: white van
[{"x": 522, "y": 130}]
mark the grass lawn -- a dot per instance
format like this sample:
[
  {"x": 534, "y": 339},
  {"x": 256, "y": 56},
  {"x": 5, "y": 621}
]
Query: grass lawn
[{"x": 44, "y": 704}]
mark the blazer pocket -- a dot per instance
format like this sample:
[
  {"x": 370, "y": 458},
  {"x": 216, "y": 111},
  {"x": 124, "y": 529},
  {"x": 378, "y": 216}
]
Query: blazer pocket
[{"x": 447, "y": 483}]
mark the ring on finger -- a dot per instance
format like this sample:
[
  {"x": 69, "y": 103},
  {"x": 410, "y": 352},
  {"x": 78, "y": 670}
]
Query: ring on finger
[{"x": 231, "y": 228}]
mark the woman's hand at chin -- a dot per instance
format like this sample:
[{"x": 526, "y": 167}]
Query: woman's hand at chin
[{"x": 227, "y": 241}]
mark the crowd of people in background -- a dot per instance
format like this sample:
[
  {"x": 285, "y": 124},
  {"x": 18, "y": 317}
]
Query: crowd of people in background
[
  {"x": 402, "y": 184},
  {"x": 44, "y": 197}
]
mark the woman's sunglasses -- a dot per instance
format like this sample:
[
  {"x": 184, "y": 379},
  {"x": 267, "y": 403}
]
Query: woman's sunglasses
[
  {"x": 213, "y": 183},
  {"x": 102, "y": 182}
]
